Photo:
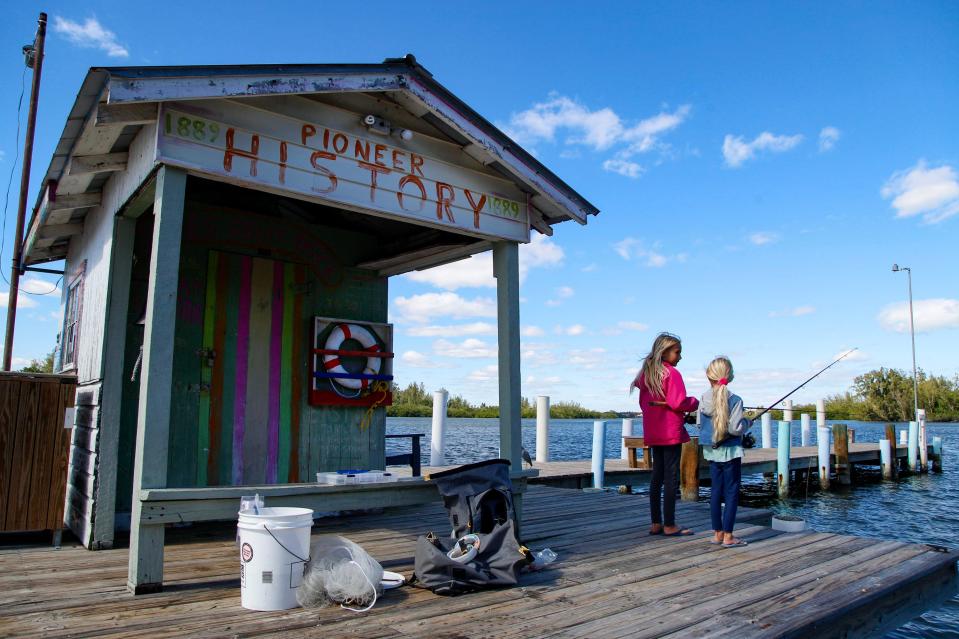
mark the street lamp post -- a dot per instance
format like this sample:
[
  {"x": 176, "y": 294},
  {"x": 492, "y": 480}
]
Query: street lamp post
[{"x": 912, "y": 330}]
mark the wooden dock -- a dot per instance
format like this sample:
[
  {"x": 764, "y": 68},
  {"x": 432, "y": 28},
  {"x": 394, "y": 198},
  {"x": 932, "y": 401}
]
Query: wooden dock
[{"x": 611, "y": 580}]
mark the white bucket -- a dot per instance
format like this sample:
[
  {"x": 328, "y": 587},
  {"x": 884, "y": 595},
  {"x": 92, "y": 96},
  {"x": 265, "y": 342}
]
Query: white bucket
[{"x": 274, "y": 549}]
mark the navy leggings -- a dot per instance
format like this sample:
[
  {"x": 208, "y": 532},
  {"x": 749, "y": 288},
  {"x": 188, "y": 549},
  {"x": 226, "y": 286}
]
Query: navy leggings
[
  {"x": 664, "y": 483},
  {"x": 725, "y": 476}
]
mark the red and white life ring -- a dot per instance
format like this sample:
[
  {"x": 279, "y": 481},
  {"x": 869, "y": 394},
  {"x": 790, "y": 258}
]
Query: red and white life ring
[{"x": 332, "y": 363}]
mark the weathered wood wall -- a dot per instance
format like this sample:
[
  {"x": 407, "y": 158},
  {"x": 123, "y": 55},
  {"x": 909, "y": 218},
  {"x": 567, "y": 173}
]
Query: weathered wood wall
[{"x": 34, "y": 447}]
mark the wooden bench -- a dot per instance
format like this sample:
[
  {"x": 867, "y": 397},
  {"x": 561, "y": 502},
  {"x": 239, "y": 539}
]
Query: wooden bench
[
  {"x": 634, "y": 444},
  {"x": 412, "y": 458}
]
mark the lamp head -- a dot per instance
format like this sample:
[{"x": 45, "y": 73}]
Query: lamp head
[{"x": 895, "y": 268}]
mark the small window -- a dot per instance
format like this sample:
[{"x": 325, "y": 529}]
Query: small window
[{"x": 71, "y": 324}]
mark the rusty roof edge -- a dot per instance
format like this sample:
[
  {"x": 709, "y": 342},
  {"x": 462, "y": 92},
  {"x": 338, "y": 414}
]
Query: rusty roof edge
[{"x": 91, "y": 89}]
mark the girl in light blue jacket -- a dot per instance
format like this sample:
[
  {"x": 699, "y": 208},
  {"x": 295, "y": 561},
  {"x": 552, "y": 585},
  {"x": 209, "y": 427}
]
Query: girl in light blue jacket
[{"x": 721, "y": 429}]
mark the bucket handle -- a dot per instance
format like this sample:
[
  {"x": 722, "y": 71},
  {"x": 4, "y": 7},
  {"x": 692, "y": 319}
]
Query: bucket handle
[{"x": 267, "y": 529}]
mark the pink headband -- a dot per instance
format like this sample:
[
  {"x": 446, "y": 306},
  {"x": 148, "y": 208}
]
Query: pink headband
[{"x": 723, "y": 382}]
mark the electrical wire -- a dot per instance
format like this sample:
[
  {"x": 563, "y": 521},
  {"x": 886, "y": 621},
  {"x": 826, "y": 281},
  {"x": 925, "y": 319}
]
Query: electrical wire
[{"x": 16, "y": 158}]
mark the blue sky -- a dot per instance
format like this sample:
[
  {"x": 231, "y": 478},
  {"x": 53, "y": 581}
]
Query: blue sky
[{"x": 758, "y": 167}]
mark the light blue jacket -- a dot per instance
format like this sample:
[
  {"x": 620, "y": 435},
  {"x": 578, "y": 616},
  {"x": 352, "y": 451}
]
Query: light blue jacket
[{"x": 737, "y": 423}]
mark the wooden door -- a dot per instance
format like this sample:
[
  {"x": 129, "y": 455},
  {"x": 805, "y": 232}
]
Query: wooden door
[{"x": 250, "y": 391}]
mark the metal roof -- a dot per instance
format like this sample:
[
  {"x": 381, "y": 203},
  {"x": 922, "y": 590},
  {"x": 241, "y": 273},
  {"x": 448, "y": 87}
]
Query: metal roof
[{"x": 404, "y": 77}]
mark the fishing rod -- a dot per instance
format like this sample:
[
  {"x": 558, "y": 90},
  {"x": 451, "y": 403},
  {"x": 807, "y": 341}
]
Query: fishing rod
[{"x": 787, "y": 395}]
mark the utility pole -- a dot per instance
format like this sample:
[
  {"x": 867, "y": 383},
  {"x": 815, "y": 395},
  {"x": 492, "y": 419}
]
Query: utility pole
[{"x": 33, "y": 55}]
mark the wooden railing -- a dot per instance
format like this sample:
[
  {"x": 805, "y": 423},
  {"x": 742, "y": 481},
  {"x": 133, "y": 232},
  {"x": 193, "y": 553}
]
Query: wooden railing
[{"x": 34, "y": 450}]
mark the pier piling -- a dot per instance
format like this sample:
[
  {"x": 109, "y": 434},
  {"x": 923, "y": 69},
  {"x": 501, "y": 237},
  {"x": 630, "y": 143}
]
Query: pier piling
[
  {"x": 627, "y": 432},
  {"x": 689, "y": 470},
  {"x": 805, "y": 429},
  {"x": 885, "y": 458},
  {"x": 822, "y": 440},
  {"x": 913, "y": 455},
  {"x": 767, "y": 431},
  {"x": 542, "y": 428},
  {"x": 438, "y": 436},
  {"x": 937, "y": 454},
  {"x": 923, "y": 442},
  {"x": 782, "y": 458},
  {"x": 903, "y": 438},
  {"x": 840, "y": 439},
  {"x": 894, "y": 462},
  {"x": 852, "y": 435},
  {"x": 788, "y": 411},
  {"x": 599, "y": 453},
  {"x": 820, "y": 414}
]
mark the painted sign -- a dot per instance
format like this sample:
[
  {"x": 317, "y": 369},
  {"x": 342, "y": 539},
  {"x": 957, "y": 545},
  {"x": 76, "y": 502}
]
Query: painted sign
[{"x": 356, "y": 171}]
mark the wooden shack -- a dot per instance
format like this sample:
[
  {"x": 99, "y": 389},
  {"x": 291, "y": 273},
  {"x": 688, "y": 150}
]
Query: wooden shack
[{"x": 218, "y": 226}]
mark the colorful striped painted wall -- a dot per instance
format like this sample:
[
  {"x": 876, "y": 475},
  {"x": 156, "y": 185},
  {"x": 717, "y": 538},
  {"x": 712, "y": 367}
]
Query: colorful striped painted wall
[{"x": 249, "y": 287}]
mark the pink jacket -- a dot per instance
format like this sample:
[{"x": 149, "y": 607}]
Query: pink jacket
[{"x": 663, "y": 425}]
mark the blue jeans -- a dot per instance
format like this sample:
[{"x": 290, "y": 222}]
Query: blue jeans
[{"x": 725, "y": 476}]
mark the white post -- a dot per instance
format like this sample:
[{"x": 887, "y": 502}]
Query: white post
[
  {"x": 438, "y": 437},
  {"x": 627, "y": 432},
  {"x": 903, "y": 438},
  {"x": 822, "y": 440},
  {"x": 913, "y": 446},
  {"x": 820, "y": 414},
  {"x": 885, "y": 457},
  {"x": 805, "y": 429},
  {"x": 782, "y": 458},
  {"x": 923, "y": 442},
  {"x": 767, "y": 430},
  {"x": 599, "y": 452},
  {"x": 542, "y": 428},
  {"x": 788, "y": 411}
]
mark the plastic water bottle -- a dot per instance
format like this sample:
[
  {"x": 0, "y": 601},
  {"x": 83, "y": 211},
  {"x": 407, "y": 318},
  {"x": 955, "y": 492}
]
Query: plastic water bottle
[{"x": 542, "y": 558}]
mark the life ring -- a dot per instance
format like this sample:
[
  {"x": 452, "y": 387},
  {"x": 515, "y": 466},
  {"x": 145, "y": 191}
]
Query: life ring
[{"x": 332, "y": 363}]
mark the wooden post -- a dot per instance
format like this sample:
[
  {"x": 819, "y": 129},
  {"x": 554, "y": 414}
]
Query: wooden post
[
  {"x": 852, "y": 435},
  {"x": 627, "y": 432},
  {"x": 805, "y": 429},
  {"x": 923, "y": 442},
  {"x": 822, "y": 441},
  {"x": 937, "y": 454},
  {"x": 767, "y": 430},
  {"x": 840, "y": 439},
  {"x": 689, "y": 470},
  {"x": 913, "y": 455},
  {"x": 894, "y": 462},
  {"x": 782, "y": 458},
  {"x": 599, "y": 453},
  {"x": 145, "y": 572},
  {"x": 113, "y": 374},
  {"x": 506, "y": 272},
  {"x": 886, "y": 458},
  {"x": 438, "y": 432},
  {"x": 542, "y": 428}
]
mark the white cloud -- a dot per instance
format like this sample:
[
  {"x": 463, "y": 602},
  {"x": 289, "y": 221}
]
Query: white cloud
[
  {"x": 565, "y": 292},
  {"x": 630, "y": 248},
  {"x": 454, "y": 330},
  {"x": 855, "y": 356},
  {"x": 623, "y": 167},
  {"x": 486, "y": 374},
  {"x": 625, "y": 326},
  {"x": 23, "y": 301},
  {"x": 588, "y": 359},
  {"x": 477, "y": 270},
  {"x": 600, "y": 130},
  {"x": 930, "y": 315},
  {"x": 589, "y": 268},
  {"x": 36, "y": 286},
  {"x": 537, "y": 354},
  {"x": 932, "y": 193},
  {"x": 90, "y": 35},
  {"x": 414, "y": 359},
  {"x": 828, "y": 138},
  {"x": 798, "y": 311},
  {"x": 574, "y": 329},
  {"x": 763, "y": 237},
  {"x": 532, "y": 331},
  {"x": 471, "y": 348},
  {"x": 736, "y": 150},
  {"x": 423, "y": 308}
]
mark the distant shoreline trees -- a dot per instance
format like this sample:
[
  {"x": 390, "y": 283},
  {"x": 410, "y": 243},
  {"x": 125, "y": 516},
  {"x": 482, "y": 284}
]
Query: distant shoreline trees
[{"x": 879, "y": 395}]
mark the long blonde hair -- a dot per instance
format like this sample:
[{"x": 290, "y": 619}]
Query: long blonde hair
[
  {"x": 720, "y": 369},
  {"x": 653, "y": 371}
]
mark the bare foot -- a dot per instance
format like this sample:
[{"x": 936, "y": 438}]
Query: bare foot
[
  {"x": 717, "y": 536},
  {"x": 656, "y": 529},
  {"x": 730, "y": 540},
  {"x": 676, "y": 531}
]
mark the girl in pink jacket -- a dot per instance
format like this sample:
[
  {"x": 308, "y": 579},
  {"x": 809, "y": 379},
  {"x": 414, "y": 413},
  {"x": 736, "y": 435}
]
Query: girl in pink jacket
[{"x": 663, "y": 401}]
